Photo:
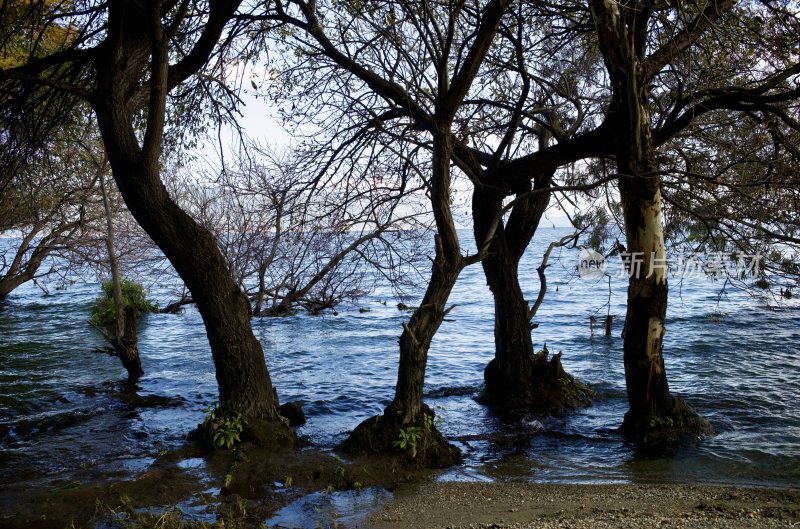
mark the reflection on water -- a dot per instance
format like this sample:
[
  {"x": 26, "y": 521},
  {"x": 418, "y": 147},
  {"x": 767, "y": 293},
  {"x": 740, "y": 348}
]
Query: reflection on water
[
  {"x": 328, "y": 510},
  {"x": 63, "y": 414}
]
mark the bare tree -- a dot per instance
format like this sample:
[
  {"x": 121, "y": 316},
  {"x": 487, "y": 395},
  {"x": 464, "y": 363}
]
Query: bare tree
[{"x": 45, "y": 210}]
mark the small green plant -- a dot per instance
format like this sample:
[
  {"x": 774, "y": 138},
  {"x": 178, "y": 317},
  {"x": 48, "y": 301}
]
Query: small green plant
[
  {"x": 225, "y": 431},
  {"x": 358, "y": 486},
  {"x": 658, "y": 422},
  {"x": 408, "y": 439},
  {"x": 287, "y": 482},
  {"x": 418, "y": 437},
  {"x": 103, "y": 312}
]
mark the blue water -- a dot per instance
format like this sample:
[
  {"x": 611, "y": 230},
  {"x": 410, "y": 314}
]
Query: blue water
[{"x": 735, "y": 361}]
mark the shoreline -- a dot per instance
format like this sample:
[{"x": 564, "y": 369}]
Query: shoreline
[{"x": 471, "y": 505}]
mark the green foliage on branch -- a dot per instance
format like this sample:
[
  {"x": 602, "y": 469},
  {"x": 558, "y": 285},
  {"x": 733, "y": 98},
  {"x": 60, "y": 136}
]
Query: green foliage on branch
[{"x": 133, "y": 295}]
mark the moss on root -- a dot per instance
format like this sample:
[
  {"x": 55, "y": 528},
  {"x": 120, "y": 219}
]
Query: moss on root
[
  {"x": 417, "y": 446},
  {"x": 660, "y": 433},
  {"x": 548, "y": 389}
]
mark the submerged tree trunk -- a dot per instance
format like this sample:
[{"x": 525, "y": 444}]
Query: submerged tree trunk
[
  {"x": 136, "y": 41},
  {"x": 655, "y": 418},
  {"x": 407, "y": 411},
  {"x": 124, "y": 339},
  {"x": 517, "y": 379}
]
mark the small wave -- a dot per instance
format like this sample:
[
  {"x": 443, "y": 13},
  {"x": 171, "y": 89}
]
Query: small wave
[{"x": 452, "y": 391}]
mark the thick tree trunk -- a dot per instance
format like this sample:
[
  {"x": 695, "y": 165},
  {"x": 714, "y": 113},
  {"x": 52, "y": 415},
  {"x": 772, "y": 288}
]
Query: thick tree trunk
[
  {"x": 137, "y": 41},
  {"x": 510, "y": 374},
  {"x": 645, "y": 376},
  {"x": 10, "y": 283},
  {"x": 244, "y": 383},
  {"x": 19, "y": 271},
  {"x": 517, "y": 379},
  {"x": 655, "y": 417}
]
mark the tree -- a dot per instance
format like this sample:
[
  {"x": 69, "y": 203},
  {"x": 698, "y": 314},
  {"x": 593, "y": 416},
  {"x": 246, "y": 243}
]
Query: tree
[
  {"x": 125, "y": 60},
  {"x": 46, "y": 210},
  {"x": 380, "y": 101},
  {"x": 124, "y": 337},
  {"x": 291, "y": 242},
  {"x": 639, "y": 41},
  {"x": 448, "y": 43}
]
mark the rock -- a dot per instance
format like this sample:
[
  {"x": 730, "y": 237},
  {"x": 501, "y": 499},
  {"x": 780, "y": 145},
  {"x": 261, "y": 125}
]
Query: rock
[{"x": 293, "y": 411}]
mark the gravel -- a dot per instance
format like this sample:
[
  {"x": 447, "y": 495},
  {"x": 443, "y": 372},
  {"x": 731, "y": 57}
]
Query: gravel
[{"x": 523, "y": 506}]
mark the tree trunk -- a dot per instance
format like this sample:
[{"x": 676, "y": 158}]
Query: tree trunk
[
  {"x": 509, "y": 377},
  {"x": 517, "y": 379},
  {"x": 417, "y": 335},
  {"x": 244, "y": 383},
  {"x": 125, "y": 338},
  {"x": 126, "y": 345},
  {"x": 447, "y": 264},
  {"x": 137, "y": 41},
  {"x": 655, "y": 417},
  {"x": 10, "y": 283},
  {"x": 378, "y": 435},
  {"x": 645, "y": 376},
  {"x": 19, "y": 271}
]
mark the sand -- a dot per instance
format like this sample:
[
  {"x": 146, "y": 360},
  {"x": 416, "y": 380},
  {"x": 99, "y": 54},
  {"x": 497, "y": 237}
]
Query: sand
[{"x": 519, "y": 505}]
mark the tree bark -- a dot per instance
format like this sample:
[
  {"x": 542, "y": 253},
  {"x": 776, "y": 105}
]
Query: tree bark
[
  {"x": 425, "y": 321},
  {"x": 655, "y": 416},
  {"x": 244, "y": 383},
  {"x": 378, "y": 435},
  {"x": 645, "y": 375},
  {"x": 417, "y": 335}
]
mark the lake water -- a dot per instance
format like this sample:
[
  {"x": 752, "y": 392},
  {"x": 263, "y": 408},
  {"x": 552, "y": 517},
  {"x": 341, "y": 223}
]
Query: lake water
[{"x": 732, "y": 359}]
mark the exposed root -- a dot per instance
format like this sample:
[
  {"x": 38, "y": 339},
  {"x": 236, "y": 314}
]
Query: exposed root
[
  {"x": 418, "y": 445},
  {"x": 545, "y": 389},
  {"x": 662, "y": 433}
]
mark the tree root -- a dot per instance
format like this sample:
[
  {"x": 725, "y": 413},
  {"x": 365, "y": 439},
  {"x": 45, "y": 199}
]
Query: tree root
[
  {"x": 661, "y": 433},
  {"x": 418, "y": 445},
  {"x": 547, "y": 389}
]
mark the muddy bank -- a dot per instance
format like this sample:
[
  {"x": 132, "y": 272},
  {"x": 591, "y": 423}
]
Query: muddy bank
[
  {"x": 250, "y": 487},
  {"x": 519, "y": 505},
  {"x": 237, "y": 488}
]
